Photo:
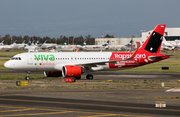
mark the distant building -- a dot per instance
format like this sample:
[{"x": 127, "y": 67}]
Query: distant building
[
  {"x": 117, "y": 41},
  {"x": 171, "y": 34}
]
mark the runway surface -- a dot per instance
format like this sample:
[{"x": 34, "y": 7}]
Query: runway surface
[
  {"x": 104, "y": 107},
  {"x": 42, "y": 98}
]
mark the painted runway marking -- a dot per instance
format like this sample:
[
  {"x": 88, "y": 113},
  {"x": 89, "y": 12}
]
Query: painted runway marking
[{"x": 95, "y": 114}]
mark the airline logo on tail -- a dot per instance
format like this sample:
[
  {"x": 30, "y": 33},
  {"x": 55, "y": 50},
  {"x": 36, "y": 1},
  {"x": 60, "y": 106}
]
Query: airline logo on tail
[
  {"x": 65, "y": 43},
  {"x": 84, "y": 43},
  {"x": 130, "y": 43},
  {"x": 2, "y": 43},
  {"x": 106, "y": 44}
]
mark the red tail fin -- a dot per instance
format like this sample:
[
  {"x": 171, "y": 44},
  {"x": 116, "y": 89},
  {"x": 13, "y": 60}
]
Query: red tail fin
[
  {"x": 138, "y": 44},
  {"x": 153, "y": 42}
]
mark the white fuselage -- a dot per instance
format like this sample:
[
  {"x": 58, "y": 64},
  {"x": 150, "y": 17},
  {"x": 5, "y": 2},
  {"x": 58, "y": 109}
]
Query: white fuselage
[
  {"x": 48, "y": 61},
  {"x": 48, "y": 45}
]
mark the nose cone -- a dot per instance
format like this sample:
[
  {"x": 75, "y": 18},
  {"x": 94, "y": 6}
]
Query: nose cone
[{"x": 7, "y": 65}]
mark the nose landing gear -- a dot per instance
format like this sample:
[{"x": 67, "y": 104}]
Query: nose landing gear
[{"x": 27, "y": 77}]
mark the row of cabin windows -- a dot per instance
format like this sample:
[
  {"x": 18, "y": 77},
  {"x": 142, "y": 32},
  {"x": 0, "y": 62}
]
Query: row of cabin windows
[{"x": 77, "y": 58}]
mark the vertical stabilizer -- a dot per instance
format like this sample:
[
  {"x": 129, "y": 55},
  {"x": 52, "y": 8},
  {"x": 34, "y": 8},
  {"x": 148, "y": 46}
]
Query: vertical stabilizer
[
  {"x": 154, "y": 41},
  {"x": 3, "y": 42},
  {"x": 106, "y": 44},
  {"x": 65, "y": 43},
  {"x": 84, "y": 44}
]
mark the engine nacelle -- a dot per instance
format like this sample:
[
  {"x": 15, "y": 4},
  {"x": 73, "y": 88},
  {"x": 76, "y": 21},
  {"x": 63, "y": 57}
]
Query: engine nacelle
[
  {"x": 72, "y": 71},
  {"x": 52, "y": 73}
]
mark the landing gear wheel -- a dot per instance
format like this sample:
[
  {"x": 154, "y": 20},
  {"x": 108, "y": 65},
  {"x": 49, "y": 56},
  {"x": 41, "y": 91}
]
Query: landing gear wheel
[
  {"x": 27, "y": 78},
  {"x": 89, "y": 77}
]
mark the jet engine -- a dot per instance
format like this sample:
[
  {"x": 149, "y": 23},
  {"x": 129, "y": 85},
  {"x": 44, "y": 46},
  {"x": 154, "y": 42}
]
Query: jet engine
[
  {"x": 72, "y": 71},
  {"x": 52, "y": 73}
]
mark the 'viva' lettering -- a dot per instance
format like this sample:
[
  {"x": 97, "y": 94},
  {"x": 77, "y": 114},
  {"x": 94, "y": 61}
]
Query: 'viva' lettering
[{"x": 45, "y": 57}]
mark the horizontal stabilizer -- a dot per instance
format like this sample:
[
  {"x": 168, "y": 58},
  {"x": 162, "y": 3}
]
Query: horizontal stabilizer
[{"x": 156, "y": 57}]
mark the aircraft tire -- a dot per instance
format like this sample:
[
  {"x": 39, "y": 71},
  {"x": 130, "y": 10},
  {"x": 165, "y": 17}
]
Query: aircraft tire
[
  {"x": 89, "y": 77},
  {"x": 27, "y": 77}
]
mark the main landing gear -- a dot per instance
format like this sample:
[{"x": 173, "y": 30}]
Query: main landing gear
[
  {"x": 27, "y": 77},
  {"x": 89, "y": 77}
]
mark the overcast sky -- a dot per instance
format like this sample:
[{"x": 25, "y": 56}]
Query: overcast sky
[{"x": 52, "y": 18}]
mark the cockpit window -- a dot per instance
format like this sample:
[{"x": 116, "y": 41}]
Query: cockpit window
[{"x": 16, "y": 58}]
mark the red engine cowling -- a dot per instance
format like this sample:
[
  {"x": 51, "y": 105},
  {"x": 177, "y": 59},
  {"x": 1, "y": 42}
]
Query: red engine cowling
[
  {"x": 72, "y": 71},
  {"x": 52, "y": 73}
]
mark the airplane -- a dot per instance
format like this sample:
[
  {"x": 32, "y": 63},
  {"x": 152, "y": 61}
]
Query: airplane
[
  {"x": 166, "y": 45},
  {"x": 65, "y": 43},
  {"x": 175, "y": 43},
  {"x": 65, "y": 47},
  {"x": 95, "y": 47},
  {"x": 82, "y": 46},
  {"x": 106, "y": 44},
  {"x": 48, "y": 45},
  {"x": 14, "y": 44},
  {"x": 73, "y": 64},
  {"x": 2, "y": 43},
  {"x": 4, "y": 47},
  {"x": 18, "y": 46},
  {"x": 120, "y": 47},
  {"x": 31, "y": 46}
]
